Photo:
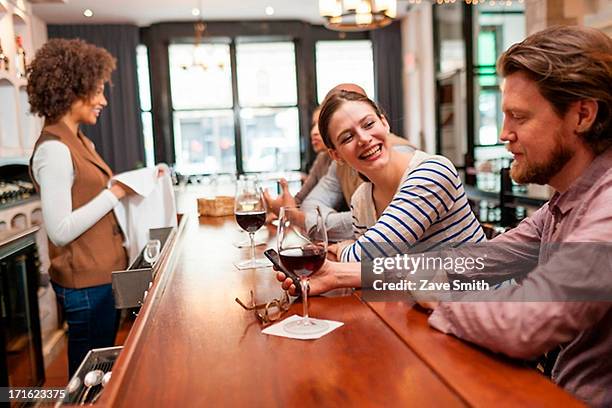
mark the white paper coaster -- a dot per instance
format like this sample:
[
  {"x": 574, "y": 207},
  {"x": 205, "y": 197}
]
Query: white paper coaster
[{"x": 278, "y": 329}]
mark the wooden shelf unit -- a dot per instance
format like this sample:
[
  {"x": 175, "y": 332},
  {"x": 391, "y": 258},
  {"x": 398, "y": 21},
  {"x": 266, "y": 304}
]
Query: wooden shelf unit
[{"x": 19, "y": 129}]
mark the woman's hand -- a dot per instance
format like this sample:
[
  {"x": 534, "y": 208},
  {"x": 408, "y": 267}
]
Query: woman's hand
[
  {"x": 337, "y": 248},
  {"x": 285, "y": 199},
  {"x": 428, "y": 305},
  {"x": 320, "y": 282},
  {"x": 120, "y": 190},
  {"x": 270, "y": 216},
  {"x": 331, "y": 252}
]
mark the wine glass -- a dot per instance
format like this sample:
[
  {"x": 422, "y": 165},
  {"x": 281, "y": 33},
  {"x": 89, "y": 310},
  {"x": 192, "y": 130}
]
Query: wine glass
[
  {"x": 151, "y": 251},
  {"x": 250, "y": 212},
  {"x": 302, "y": 250}
]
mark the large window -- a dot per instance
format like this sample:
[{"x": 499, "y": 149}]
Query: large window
[
  {"x": 201, "y": 87},
  {"x": 344, "y": 61},
  {"x": 267, "y": 93},
  {"x": 211, "y": 109},
  {"x": 144, "y": 91}
]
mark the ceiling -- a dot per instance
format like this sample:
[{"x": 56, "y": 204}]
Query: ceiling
[{"x": 146, "y": 12}]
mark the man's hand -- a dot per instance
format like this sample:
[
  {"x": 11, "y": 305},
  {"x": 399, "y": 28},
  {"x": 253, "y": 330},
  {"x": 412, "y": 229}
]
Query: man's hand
[
  {"x": 285, "y": 199},
  {"x": 320, "y": 282}
]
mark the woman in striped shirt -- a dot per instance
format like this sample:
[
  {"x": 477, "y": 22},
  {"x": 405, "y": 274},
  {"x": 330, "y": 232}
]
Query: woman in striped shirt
[{"x": 412, "y": 197}]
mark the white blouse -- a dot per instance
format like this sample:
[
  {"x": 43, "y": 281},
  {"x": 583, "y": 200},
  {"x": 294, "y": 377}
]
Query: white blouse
[{"x": 52, "y": 170}]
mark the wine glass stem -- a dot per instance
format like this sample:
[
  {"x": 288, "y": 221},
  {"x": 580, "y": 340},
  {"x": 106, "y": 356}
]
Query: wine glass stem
[
  {"x": 304, "y": 283},
  {"x": 252, "y": 238}
]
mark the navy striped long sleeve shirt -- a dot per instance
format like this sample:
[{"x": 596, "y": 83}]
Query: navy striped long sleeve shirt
[{"x": 430, "y": 207}]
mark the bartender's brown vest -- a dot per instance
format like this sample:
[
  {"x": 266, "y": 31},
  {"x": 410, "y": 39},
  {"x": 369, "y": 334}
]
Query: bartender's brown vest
[
  {"x": 349, "y": 177},
  {"x": 91, "y": 257}
]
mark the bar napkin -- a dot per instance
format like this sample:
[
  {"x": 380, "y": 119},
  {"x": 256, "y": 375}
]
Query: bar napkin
[
  {"x": 278, "y": 329},
  {"x": 153, "y": 206}
]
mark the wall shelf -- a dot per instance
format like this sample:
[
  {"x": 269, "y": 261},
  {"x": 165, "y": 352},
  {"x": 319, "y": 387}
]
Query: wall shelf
[
  {"x": 19, "y": 129},
  {"x": 6, "y": 77}
]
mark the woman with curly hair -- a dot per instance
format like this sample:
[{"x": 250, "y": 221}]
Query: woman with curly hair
[{"x": 66, "y": 87}]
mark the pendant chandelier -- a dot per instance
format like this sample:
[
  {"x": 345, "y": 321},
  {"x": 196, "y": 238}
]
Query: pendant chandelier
[
  {"x": 357, "y": 15},
  {"x": 200, "y": 59},
  {"x": 506, "y": 3}
]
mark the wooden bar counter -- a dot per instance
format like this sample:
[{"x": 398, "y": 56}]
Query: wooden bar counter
[{"x": 193, "y": 345}]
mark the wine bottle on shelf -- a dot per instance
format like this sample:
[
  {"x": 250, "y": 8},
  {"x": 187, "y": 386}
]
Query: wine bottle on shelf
[
  {"x": 20, "y": 58},
  {"x": 4, "y": 61}
]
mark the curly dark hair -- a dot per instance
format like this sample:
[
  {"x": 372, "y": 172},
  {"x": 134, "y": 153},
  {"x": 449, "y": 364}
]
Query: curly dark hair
[
  {"x": 63, "y": 72},
  {"x": 569, "y": 64}
]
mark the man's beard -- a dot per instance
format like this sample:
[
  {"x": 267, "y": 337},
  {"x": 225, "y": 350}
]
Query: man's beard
[{"x": 541, "y": 173}]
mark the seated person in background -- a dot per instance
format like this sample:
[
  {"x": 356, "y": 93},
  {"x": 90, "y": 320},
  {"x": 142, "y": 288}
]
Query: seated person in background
[
  {"x": 411, "y": 197},
  {"x": 557, "y": 103},
  {"x": 333, "y": 192}
]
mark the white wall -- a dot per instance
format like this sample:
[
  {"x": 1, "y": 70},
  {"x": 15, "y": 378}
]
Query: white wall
[{"x": 39, "y": 32}]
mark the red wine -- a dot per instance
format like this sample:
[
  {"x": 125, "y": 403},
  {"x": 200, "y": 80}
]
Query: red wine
[
  {"x": 303, "y": 261},
  {"x": 251, "y": 221}
]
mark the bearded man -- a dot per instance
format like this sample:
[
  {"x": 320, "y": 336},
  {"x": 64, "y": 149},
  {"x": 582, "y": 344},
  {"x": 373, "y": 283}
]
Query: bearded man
[{"x": 557, "y": 104}]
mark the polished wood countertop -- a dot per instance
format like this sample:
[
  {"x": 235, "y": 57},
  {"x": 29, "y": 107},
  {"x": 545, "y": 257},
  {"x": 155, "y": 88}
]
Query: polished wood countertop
[{"x": 193, "y": 345}]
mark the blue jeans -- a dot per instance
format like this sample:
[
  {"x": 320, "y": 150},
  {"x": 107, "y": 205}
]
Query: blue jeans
[{"x": 92, "y": 320}]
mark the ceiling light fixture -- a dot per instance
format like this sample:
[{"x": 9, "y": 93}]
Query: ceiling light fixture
[
  {"x": 88, "y": 13},
  {"x": 199, "y": 58},
  {"x": 195, "y": 11},
  {"x": 269, "y": 10},
  {"x": 357, "y": 15},
  {"x": 506, "y": 3}
]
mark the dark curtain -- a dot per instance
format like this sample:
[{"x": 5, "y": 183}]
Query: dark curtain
[
  {"x": 387, "y": 50},
  {"x": 118, "y": 133}
]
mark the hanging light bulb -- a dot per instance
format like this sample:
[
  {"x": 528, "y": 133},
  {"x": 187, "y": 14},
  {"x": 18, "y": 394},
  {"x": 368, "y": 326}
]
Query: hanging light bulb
[
  {"x": 351, "y": 5},
  {"x": 361, "y": 15},
  {"x": 330, "y": 8},
  {"x": 199, "y": 58},
  {"x": 357, "y": 15}
]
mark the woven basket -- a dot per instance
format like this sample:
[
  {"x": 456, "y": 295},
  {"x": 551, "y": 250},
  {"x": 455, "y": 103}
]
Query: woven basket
[{"x": 216, "y": 207}]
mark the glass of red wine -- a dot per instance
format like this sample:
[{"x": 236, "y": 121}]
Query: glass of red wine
[
  {"x": 250, "y": 212},
  {"x": 302, "y": 249}
]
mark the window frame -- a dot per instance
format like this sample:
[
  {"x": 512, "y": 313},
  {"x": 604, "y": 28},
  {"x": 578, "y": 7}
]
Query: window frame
[
  {"x": 149, "y": 156},
  {"x": 237, "y": 107},
  {"x": 157, "y": 37},
  {"x": 373, "y": 93}
]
